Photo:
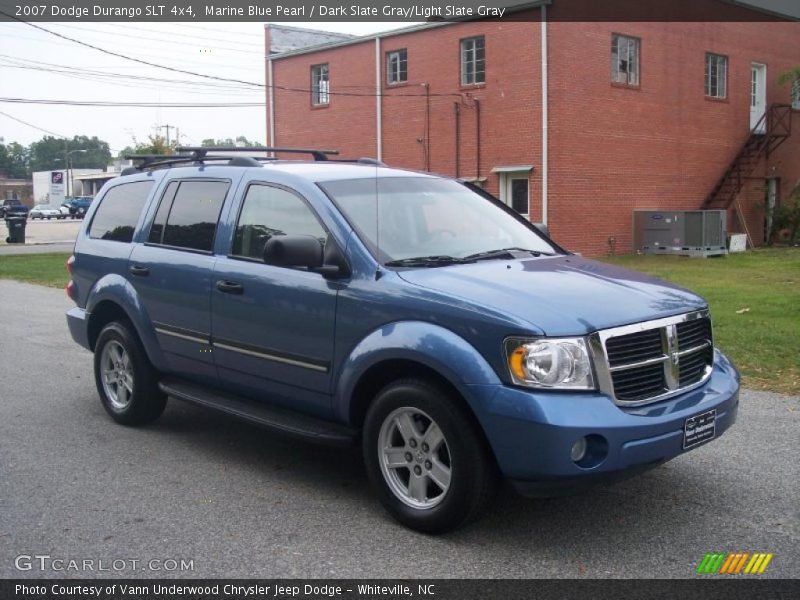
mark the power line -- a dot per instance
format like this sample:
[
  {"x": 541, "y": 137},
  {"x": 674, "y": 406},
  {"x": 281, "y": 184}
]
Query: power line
[
  {"x": 260, "y": 85},
  {"x": 132, "y": 104},
  {"x": 32, "y": 125},
  {"x": 144, "y": 62}
]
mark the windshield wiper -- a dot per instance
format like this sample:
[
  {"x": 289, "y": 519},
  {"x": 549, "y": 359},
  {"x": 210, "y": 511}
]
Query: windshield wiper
[
  {"x": 505, "y": 253},
  {"x": 428, "y": 261}
]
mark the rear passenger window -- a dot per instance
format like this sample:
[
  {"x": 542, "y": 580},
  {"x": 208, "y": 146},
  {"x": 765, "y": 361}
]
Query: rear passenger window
[
  {"x": 269, "y": 211},
  {"x": 119, "y": 210},
  {"x": 188, "y": 214}
]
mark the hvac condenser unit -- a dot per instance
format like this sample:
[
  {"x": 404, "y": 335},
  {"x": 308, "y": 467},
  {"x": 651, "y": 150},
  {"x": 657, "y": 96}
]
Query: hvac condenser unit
[{"x": 683, "y": 232}]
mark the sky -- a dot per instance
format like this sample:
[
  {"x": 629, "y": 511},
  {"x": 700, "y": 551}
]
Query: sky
[{"x": 37, "y": 64}]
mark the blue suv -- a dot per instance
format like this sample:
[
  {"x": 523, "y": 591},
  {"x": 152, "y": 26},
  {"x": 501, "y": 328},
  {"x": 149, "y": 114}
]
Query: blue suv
[{"x": 346, "y": 302}]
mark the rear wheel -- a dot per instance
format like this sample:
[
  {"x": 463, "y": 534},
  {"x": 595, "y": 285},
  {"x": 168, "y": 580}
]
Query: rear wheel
[
  {"x": 426, "y": 457},
  {"x": 126, "y": 381}
]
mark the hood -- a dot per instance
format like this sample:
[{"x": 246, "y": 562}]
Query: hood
[{"x": 560, "y": 295}]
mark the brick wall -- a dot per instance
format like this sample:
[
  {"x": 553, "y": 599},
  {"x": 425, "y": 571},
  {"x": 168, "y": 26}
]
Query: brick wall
[{"x": 612, "y": 149}]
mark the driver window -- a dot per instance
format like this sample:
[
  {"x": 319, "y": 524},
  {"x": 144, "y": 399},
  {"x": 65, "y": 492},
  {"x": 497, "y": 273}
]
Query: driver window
[{"x": 269, "y": 211}]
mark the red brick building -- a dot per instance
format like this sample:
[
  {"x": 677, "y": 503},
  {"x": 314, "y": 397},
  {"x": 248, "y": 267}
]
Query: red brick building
[{"x": 576, "y": 124}]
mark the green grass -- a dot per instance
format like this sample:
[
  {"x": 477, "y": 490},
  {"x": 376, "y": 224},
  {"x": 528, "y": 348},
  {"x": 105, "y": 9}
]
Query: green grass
[
  {"x": 42, "y": 269},
  {"x": 755, "y": 305},
  {"x": 754, "y": 299}
]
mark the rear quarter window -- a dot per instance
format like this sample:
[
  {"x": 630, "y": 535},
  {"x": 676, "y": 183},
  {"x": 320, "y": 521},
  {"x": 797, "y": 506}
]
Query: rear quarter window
[{"x": 119, "y": 210}]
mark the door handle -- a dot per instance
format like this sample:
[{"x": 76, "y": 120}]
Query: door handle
[
  {"x": 139, "y": 271},
  {"x": 230, "y": 287}
]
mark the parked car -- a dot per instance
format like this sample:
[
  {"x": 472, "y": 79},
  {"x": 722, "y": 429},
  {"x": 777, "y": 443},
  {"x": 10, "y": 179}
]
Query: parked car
[
  {"x": 45, "y": 211},
  {"x": 78, "y": 206},
  {"x": 415, "y": 315},
  {"x": 15, "y": 210},
  {"x": 6, "y": 204}
]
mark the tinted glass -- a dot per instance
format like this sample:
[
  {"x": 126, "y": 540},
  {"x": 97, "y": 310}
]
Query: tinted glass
[
  {"x": 269, "y": 211},
  {"x": 405, "y": 217},
  {"x": 119, "y": 211},
  {"x": 157, "y": 228},
  {"x": 192, "y": 220}
]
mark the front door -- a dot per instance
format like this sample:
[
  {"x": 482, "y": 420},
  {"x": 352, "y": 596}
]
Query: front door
[
  {"x": 273, "y": 327},
  {"x": 758, "y": 97}
]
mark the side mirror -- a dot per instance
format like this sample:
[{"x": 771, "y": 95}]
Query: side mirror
[
  {"x": 304, "y": 251},
  {"x": 293, "y": 251}
]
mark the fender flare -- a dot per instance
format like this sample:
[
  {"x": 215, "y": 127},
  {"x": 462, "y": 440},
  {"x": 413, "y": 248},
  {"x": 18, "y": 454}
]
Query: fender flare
[
  {"x": 115, "y": 288},
  {"x": 434, "y": 346}
]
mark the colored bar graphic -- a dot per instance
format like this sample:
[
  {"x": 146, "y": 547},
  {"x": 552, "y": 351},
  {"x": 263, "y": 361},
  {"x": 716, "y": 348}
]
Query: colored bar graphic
[{"x": 723, "y": 563}]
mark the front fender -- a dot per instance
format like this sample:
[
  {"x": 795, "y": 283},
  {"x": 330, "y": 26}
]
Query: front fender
[
  {"x": 115, "y": 288},
  {"x": 432, "y": 345}
]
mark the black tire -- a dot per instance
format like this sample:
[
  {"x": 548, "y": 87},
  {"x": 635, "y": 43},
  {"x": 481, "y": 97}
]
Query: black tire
[
  {"x": 473, "y": 471},
  {"x": 145, "y": 402}
]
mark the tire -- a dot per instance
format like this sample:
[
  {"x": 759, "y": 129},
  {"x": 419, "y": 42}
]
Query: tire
[
  {"x": 434, "y": 502},
  {"x": 133, "y": 397}
]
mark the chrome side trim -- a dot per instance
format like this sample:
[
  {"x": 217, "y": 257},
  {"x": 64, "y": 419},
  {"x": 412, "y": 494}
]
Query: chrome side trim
[
  {"x": 183, "y": 336},
  {"x": 272, "y": 357},
  {"x": 670, "y": 359}
]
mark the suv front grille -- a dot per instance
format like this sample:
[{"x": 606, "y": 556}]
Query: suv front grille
[{"x": 648, "y": 361}]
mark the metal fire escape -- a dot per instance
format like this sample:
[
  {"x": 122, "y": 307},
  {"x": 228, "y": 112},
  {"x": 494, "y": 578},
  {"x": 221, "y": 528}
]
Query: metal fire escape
[{"x": 770, "y": 132}]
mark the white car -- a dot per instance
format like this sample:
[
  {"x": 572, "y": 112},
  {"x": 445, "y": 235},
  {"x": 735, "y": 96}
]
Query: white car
[{"x": 45, "y": 211}]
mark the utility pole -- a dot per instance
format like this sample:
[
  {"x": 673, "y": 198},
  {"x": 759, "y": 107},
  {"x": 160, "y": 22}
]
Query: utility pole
[{"x": 167, "y": 127}]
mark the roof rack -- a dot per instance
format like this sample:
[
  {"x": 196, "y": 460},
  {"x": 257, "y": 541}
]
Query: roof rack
[
  {"x": 316, "y": 153},
  {"x": 200, "y": 155}
]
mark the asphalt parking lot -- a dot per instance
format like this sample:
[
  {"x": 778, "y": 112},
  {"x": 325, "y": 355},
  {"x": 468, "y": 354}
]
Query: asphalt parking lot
[{"x": 240, "y": 502}]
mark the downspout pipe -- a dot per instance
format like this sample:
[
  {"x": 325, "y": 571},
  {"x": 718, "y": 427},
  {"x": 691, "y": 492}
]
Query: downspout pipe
[
  {"x": 271, "y": 95},
  {"x": 378, "y": 101},
  {"x": 545, "y": 117},
  {"x": 478, "y": 139},
  {"x": 457, "y": 110}
]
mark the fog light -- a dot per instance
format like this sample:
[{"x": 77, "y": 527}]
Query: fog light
[{"x": 578, "y": 450}]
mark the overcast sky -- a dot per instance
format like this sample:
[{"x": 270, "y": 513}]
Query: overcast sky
[{"x": 32, "y": 65}]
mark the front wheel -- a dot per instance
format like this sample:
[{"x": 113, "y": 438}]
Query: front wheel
[
  {"x": 426, "y": 457},
  {"x": 126, "y": 381}
]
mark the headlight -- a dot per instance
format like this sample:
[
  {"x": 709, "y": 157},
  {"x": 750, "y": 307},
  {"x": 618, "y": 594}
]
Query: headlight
[{"x": 553, "y": 363}]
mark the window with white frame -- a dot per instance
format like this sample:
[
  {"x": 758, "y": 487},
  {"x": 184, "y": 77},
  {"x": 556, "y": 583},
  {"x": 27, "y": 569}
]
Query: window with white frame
[
  {"x": 397, "y": 66},
  {"x": 473, "y": 60},
  {"x": 796, "y": 94},
  {"x": 625, "y": 59},
  {"x": 716, "y": 75},
  {"x": 320, "y": 85}
]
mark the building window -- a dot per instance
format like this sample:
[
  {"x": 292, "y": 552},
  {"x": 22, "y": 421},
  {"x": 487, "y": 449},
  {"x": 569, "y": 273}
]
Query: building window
[
  {"x": 796, "y": 94},
  {"x": 397, "y": 66},
  {"x": 320, "y": 85},
  {"x": 473, "y": 61},
  {"x": 625, "y": 59},
  {"x": 716, "y": 76}
]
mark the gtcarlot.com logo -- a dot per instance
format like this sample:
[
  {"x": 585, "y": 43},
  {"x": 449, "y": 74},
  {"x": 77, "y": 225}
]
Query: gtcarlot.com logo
[
  {"x": 45, "y": 562},
  {"x": 734, "y": 563}
]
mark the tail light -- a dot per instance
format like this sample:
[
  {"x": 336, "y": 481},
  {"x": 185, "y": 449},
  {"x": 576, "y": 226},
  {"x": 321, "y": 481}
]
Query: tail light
[{"x": 70, "y": 289}]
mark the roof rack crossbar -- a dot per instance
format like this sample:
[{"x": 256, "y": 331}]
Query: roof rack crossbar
[{"x": 318, "y": 154}]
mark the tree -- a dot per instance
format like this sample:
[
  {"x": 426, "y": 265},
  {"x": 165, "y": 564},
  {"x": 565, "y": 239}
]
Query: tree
[
  {"x": 156, "y": 144},
  {"x": 14, "y": 161},
  {"x": 792, "y": 77},
  {"x": 49, "y": 153},
  {"x": 229, "y": 142}
]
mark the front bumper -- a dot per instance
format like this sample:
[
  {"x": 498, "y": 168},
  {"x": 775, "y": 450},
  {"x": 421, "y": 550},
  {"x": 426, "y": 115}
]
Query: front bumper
[{"x": 531, "y": 433}]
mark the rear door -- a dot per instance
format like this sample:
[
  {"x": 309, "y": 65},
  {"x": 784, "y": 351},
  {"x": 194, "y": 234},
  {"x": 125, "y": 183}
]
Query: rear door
[
  {"x": 172, "y": 272},
  {"x": 273, "y": 327}
]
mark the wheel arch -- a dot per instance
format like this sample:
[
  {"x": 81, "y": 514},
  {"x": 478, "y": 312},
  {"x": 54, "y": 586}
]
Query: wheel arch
[
  {"x": 114, "y": 298},
  {"x": 409, "y": 349}
]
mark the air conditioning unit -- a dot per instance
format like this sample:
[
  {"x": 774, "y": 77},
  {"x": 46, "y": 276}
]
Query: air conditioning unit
[{"x": 681, "y": 232}]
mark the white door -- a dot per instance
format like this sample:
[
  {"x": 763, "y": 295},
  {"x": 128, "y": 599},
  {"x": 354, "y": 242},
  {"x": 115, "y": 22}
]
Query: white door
[
  {"x": 514, "y": 191},
  {"x": 758, "y": 97}
]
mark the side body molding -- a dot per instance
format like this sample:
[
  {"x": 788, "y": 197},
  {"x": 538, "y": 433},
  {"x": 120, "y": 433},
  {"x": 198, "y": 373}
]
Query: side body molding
[{"x": 432, "y": 345}]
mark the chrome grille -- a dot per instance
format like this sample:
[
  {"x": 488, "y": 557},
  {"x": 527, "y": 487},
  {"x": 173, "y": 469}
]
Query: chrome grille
[{"x": 645, "y": 362}]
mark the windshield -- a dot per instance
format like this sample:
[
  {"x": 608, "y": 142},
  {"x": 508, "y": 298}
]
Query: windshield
[{"x": 429, "y": 217}]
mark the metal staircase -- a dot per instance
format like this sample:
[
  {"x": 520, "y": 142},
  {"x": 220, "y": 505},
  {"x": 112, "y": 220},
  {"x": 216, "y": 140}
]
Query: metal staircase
[{"x": 775, "y": 127}]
